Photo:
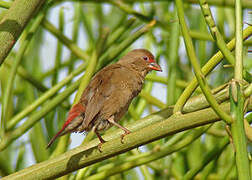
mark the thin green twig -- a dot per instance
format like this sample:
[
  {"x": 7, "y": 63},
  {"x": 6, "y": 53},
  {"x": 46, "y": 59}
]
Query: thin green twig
[
  {"x": 237, "y": 101},
  {"x": 207, "y": 68},
  {"x": 27, "y": 39},
  {"x": 198, "y": 73}
]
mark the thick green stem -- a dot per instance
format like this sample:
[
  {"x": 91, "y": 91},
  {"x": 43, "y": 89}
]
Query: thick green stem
[
  {"x": 44, "y": 97},
  {"x": 229, "y": 3},
  {"x": 211, "y": 155},
  {"x": 144, "y": 158},
  {"x": 172, "y": 61},
  {"x": 207, "y": 68},
  {"x": 237, "y": 102},
  {"x": 9, "y": 89},
  {"x": 13, "y": 23},
  {"x": 238, "y": 132},
  {"x": 88, "y": 154},
  {"x": 198, "y": 73},
  {"x": 67, "y": 42}
]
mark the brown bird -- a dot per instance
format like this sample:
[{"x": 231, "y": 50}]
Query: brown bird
[{"x": 108, "y": 95}]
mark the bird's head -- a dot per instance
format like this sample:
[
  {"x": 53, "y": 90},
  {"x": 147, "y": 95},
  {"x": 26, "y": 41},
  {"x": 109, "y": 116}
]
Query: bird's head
[{"x": 141, "y": 60}]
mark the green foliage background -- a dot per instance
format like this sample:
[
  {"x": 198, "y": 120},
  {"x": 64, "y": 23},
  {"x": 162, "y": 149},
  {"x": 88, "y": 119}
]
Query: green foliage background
[{"x": 192, "y": 133}]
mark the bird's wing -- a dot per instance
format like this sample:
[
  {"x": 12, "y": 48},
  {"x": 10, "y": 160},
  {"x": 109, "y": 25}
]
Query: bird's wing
[
  {"x": 97, "y": 92},
  {"x": 126, "y": 86},
  {"x": 115, "y": 87}
]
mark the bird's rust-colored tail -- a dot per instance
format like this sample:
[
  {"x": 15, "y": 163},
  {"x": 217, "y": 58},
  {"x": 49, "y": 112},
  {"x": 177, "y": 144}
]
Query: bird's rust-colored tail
[
  {"x": 74, "y": 112},
  {"x": 54, "y": 138}
]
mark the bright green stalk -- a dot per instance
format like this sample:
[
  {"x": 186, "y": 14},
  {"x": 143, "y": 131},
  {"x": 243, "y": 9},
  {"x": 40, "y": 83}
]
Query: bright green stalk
[
  {"x": 207, "y": 68},
  {"x": 179, "y": 83},
  {"x": 9, "y": 89},
  {"x": 75, "y": 33},
  {"x": 58, "y": 57},
  {"x": 67, "y": 42},
  {"x": 219, "y": 38},
  {"x": 20, "y": 158},
  {"x": 13, "y": 23},
  {"x": 88, "y": 154},
  {"x": 35, "y": 117},
  {"x": 49, "y": 72},
  {"x": 245, "y": 3},
  {"x": 152, "y": 99},
  {"x": 44, "y": 97},
  {"x": 227, "y": 171},
  {"x": 22, "y": 72},
  {"x": 238, "y": 43},
  {"x": 38, "y": 143},
  {"x": 205, "y": 173},
  {"x": 238, "y": 133},
  {"x": 85, "y": 79},
  {"x": 144, "y": 158},
  {"x": 141, "y": 104},
  {"x": 207, "y": 37},
  {"x": 129, "y": 10},
  {"x": 120, "y": 31},
  {"x": 87, "y": 25},
  {"x": 5, "y": 5},
  {"x": 172, "y": 61},
  {"x": 237, "y": 102},
  {"x": 150, "y": 127},
  {"x": 143, "y": 168},
  {"x": 248, "y": 90},
  {"x": 198, "y": 73},
  {"x": 211, "y": 155},
  {"x": 202, "y": 45}
]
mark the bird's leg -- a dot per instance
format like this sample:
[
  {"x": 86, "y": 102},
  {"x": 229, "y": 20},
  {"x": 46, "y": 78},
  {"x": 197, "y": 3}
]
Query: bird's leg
[
  {"x": 101, "y": 140},
  {"x": 126, "y": 131}
]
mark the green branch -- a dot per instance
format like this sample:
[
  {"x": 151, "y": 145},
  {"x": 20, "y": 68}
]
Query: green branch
[
  {"x": 207, "y": 68},
  {"x": 67, "y": 42},
  {"x": 208, "y": 157},
  {"x": 219, "y": 38},
  {"x": 52, "y": 91},
  {"x": 237, "y": 102},
  {"x": 229, "y": 3},
  {"x": 88, "y": 154},
  {"x": 9, "y": 89},
  {"x": 129, "y": 10},
  {"x": 193, "y": 59},
  {"x": 238, "y": 132},
  {"x": 143, "y": 158},
  {"x": 13, "y": 23}
]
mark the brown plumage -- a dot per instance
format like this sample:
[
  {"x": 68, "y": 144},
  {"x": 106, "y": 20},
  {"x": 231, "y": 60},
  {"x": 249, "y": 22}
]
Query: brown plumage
[{"x": 108, "y": 95}]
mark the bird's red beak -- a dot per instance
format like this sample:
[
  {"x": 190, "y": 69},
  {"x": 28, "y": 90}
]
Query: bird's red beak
[{"x": 155, "y": 66}]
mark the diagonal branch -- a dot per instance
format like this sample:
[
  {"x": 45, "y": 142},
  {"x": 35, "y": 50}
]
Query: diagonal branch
[
  {"x": 13, "y": 23},
  {"x": 88, "y": 154}
]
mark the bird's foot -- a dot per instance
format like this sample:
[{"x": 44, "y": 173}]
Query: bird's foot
[
  {"x": 102, "y": 141},
  {"x": 100, "y": 145},
  {"x": 122, "y": 136}
]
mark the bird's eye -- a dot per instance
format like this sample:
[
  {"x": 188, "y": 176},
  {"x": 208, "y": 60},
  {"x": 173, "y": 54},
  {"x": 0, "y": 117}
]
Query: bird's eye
[{"x": 145, "y": 58}]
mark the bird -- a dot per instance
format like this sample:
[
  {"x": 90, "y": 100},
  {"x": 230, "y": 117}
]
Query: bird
[{"x": 108, "y": 95}]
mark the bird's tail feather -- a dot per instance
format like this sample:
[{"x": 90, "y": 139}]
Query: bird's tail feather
[
  {"x": 74, "y": 112},
  {"x": 55, "y": 137}
]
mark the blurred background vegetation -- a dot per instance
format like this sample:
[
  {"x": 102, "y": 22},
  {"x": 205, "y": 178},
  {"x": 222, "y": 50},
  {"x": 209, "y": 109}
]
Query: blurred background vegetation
[{"x": 64, "y": 41}]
